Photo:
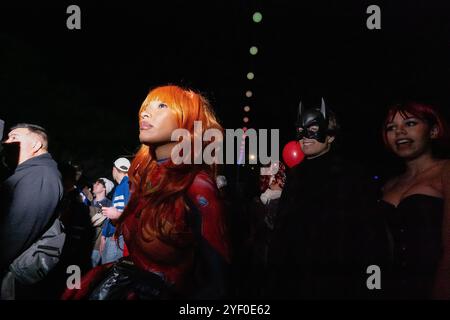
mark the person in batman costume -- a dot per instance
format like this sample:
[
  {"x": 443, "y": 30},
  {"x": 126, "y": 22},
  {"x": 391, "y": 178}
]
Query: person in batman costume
[{"x": 327, "y": 234}]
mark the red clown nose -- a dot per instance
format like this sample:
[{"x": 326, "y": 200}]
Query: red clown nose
[{"x": 292, "y": 154}]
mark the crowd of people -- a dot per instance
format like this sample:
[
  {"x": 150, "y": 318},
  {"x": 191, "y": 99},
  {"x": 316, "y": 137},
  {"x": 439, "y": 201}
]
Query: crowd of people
[{"x": 162, "y": 230}]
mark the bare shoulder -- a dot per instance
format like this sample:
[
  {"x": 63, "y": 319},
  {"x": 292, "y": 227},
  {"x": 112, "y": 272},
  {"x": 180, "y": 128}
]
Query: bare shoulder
[
  {"x": 389, "y": 185},
  {"x": 445, "y": 171}
]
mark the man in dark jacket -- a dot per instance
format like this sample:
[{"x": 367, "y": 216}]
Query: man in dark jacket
[{"x": 29, "y": 197}]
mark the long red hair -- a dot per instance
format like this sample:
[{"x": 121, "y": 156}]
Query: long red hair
[{"x": 169, "y": 195}]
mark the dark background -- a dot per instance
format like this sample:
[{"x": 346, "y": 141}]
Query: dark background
[{"x": 86, "y": 86}]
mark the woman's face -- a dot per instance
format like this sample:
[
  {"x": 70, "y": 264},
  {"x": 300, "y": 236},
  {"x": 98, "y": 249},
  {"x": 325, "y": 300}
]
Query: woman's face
[
  {"x": 409, "y": 137},
  {"x": 157, "y": 122}
]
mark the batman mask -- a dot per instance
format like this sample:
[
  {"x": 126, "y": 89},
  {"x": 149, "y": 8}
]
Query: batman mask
[{"x": 312, "y": 123}]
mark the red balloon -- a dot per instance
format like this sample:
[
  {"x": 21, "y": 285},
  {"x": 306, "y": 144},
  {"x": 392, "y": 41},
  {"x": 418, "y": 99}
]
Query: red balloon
[{"x": 293, "y": 154}]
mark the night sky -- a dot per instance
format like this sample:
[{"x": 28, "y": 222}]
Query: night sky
[{"x": 85, "y": 86}]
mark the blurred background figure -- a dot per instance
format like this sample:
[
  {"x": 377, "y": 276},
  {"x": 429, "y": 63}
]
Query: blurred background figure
[
  {"x": 112, "y": 248},
  {"x": 101, "y": 188},
  {"x": 82, "y": 185},
  {"x": 262, "y": 211}
]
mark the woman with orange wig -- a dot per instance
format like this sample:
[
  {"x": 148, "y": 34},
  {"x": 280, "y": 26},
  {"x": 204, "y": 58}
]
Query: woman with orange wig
[
  {"x": 174, "y": 224},
  {"x": 416, "y": 203}
]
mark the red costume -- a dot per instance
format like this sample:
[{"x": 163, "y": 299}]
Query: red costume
[{"x": 198, "y": 227}]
